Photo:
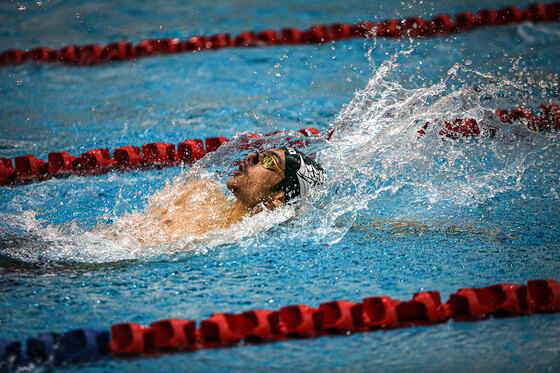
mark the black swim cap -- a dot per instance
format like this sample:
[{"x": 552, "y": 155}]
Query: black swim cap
[{"x": 302, "y": 173}]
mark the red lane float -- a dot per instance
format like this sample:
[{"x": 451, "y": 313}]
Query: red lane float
[
  {"x": 127, "y": 156},
  {"x": 380, "y": 312},
  {"x": 298, "y": 320},
  {"x": 544, "y": 294},
  {"x": 60, "y": 161},
  {"x": 221, "y": 329},
  {"x": 191, "y": 150},
  {"x": 159, "y": 153},
  {"x": 548, "y": 119},
  {"x": 96, "y": 161},
  {"x": 174, "y": 334},
  {"x": 131, "y": 338},
  {"x": 424, "y": 308},
  {"x": 316, "y": 34},
  {"x": 213, "y": 143},
  {"x": 262, "y": 325},
  {"x": 8, "y": 174},
  {"x": 336, "y": 317},
  {"x": 28, "y": 164}
]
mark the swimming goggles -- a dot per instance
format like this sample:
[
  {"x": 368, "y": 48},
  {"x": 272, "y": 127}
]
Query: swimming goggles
[{"x": 269, "y": 162}]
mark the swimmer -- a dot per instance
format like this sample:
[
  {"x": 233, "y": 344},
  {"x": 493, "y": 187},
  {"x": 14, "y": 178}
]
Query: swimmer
[{"x": 263, "y": 181}]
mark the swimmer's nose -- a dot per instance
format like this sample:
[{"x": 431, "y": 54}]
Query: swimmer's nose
[{"x": 253, "y": 158}]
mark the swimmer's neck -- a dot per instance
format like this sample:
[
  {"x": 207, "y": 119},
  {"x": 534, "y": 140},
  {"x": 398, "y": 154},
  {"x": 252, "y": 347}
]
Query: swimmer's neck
[{"x": 239, "y": 210}]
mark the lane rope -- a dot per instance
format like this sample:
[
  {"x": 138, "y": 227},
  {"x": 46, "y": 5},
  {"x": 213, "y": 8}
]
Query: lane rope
[
  {"x": 394, "y": 28},
  {"x": 28, "y": 168},
  {"x": 97, "y": 161},
  {"x": 338, "y": 317}
]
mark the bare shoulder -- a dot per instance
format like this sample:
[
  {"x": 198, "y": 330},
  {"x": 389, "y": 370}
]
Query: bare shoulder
[{"x": 199, "y": 190}]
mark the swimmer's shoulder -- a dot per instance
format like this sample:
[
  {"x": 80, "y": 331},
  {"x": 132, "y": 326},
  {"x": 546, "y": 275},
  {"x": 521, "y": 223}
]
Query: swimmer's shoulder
[
  {"x": 201, "y": 186},
  {"x": 199, "y": 190}
]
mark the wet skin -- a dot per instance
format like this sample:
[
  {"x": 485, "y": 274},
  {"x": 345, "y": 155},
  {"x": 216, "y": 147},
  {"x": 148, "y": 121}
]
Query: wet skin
[{"x": 253, "y": 184}]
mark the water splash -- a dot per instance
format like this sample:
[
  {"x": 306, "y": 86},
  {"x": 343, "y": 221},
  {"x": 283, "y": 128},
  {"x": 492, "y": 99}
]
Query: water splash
[
  {"x": 376, "y": 147},
  {"x": 375, "y": 155}
]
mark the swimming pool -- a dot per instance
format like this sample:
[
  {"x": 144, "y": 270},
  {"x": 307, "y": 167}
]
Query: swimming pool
[{"x": 400, "y": 213}]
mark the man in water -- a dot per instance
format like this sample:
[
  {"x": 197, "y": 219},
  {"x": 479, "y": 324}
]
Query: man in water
[
  {"x": 293, "y": 174},
  {"x": 263, "y": 181}
]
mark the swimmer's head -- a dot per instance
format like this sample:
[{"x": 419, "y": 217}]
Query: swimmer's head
[{"x": 274, "y": 177}]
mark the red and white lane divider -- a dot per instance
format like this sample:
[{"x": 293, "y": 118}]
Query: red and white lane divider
[{"x": 396, "y": 28}]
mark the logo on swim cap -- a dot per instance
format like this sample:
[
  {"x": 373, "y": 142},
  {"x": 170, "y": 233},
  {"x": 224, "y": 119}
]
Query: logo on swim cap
[{"x": 302, "y": 173}]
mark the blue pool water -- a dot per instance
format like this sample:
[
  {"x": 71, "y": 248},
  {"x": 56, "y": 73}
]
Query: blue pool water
[{"x": 399, "y": 213}]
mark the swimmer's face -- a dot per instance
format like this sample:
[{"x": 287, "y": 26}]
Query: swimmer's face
[{"x": 253, "y": 184}]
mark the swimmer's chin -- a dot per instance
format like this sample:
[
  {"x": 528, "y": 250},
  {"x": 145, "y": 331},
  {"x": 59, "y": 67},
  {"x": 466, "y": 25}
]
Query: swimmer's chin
[{"x": 230, "y": 184}]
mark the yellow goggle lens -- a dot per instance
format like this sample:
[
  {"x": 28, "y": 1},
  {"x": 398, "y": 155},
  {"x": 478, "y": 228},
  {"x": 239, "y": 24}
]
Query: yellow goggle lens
[{"x": 269, "y": 162}]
